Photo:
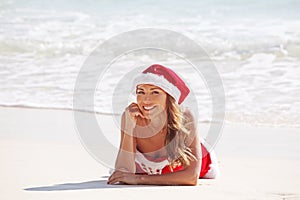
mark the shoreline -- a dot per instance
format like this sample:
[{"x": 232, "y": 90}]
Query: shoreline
[{"x": 115, "y": 114}]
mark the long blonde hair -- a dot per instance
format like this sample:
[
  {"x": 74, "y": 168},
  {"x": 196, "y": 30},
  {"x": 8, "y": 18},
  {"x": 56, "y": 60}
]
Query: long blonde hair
[{"x": 177, "y": 134}]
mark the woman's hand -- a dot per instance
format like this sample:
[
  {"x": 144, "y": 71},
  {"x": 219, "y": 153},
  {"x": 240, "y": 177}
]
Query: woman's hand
[
  {"x": 123, "y": 178},
  {"x": 131, "y": 114},
  {"x": 134, "y": 111}
]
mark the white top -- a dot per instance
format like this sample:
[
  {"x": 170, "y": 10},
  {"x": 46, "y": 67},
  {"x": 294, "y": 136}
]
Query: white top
[{"x": 148, "y": 166}]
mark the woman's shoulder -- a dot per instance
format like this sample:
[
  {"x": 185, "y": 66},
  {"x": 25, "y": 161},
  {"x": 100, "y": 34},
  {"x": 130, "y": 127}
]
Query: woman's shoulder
[{"x": 187, "y": 114}]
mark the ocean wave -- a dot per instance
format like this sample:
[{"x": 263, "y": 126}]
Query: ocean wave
[{"x": 44, "y": 44}]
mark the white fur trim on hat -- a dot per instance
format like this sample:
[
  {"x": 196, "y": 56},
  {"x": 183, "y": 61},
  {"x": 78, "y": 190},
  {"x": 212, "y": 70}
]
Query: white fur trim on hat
[{"x": 160, "y": 81}]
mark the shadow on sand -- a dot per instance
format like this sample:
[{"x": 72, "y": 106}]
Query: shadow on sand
[{"x": 97, "y": 184}]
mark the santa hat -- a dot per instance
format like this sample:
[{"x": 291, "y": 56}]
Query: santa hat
[{"x": 164, "y": 78}]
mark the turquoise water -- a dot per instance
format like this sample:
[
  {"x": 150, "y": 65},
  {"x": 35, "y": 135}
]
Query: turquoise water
[{"x": 254, "y": 44}]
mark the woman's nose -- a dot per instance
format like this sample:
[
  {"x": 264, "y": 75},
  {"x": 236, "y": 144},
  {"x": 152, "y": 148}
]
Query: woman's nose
[{"x": 147, "y": 99}]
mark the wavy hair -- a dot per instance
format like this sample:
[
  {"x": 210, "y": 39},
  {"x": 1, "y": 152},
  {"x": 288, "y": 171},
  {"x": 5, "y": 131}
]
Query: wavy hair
[{"x": 177, "y": 135}]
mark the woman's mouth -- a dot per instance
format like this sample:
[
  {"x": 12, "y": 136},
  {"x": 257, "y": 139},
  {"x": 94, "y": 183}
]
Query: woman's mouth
[{"x": 148, "y": 108}]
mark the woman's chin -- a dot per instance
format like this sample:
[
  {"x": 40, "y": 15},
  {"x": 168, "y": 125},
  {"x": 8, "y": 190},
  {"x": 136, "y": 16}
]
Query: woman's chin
[{"x": 150, "y": 114}]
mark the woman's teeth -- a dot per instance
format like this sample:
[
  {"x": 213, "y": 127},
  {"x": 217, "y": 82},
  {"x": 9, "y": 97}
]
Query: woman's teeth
[{"x": 148, "y": 107}]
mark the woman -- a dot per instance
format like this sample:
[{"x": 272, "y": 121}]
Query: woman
[{"x": 159, "y": 144}]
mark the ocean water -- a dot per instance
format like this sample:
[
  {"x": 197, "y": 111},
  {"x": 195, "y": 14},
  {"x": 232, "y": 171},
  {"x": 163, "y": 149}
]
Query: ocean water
[{"x": 254, "y": 44}]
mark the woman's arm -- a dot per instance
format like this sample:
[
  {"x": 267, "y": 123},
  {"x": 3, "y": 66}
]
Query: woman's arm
[{"x": 126, "y": 156}]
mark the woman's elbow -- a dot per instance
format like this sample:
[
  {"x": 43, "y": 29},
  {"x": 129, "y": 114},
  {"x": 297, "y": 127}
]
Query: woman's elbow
[
  {"x": 192, "y": 179},
  {"x": 191, "y": 182}
]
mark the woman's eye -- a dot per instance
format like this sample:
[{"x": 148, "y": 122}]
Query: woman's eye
[
  {"x": 155, "y": 92},
  {"x": 140, "y": 92}
]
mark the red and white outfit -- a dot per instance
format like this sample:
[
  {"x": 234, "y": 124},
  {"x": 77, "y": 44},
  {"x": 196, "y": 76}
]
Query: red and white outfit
[
  {"x": 148, "y": 165},
  {"x": 172, "y": 84}
]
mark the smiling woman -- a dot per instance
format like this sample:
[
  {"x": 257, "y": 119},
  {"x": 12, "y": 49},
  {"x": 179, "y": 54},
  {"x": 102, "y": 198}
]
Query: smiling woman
[{"x": 159, "y": 141}]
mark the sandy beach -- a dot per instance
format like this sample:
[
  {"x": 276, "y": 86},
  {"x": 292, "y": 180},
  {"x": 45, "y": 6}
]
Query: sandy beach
[
  {"x": 42, "y": 158},
  {"x": 45, "y": 45}
]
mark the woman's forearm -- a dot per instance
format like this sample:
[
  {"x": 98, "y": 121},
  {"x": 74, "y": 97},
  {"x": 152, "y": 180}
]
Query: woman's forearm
[
  {"x": 126, "y": 156},
  {"x": 184, "y": 177},
  {"x": 124, "y": 162}
]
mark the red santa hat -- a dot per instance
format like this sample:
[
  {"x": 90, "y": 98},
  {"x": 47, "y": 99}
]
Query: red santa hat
[{"x": 164, "y": 78}]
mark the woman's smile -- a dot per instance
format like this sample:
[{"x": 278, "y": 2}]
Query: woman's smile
[{"x": 149, "y": 108}]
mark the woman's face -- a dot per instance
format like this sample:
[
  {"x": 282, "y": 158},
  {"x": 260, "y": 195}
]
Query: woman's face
[{"x": 151, "y": 99}]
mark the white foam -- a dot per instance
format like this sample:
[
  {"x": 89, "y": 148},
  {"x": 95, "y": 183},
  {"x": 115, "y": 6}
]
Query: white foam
[{"x": 43, "y": 46}]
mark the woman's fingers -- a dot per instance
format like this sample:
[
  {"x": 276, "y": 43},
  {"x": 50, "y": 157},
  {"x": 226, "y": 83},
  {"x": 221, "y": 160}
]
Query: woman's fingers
[
  {"x": 122, "y": 178},
  {"x": 138, "y": 114},
  {"x": 116, "y": 177},
  {"x": 135, "y": 111}
]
